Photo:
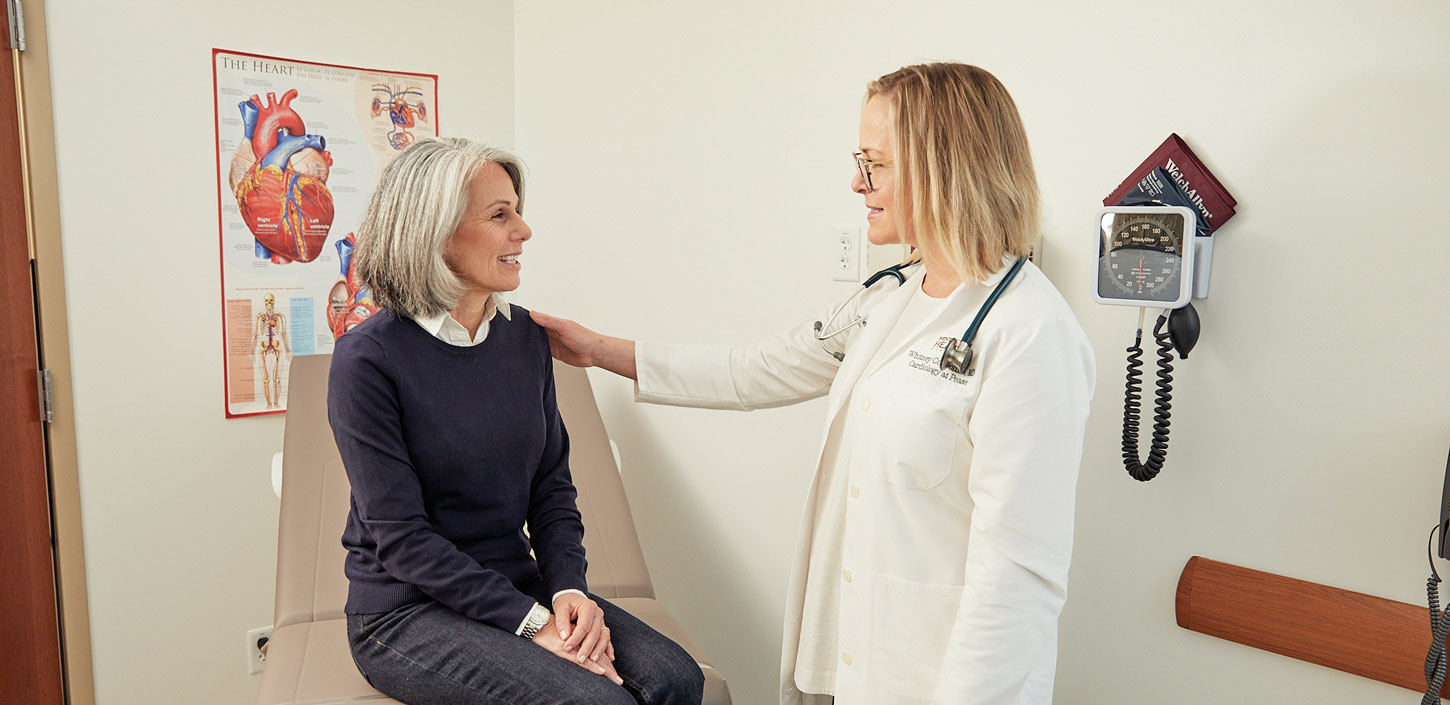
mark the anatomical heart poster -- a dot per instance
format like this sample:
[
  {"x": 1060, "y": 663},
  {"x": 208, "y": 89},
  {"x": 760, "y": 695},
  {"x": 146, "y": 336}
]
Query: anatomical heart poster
[{"x": 299, "y": 149}]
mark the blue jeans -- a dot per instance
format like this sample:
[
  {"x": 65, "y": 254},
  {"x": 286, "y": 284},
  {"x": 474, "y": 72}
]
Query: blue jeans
[{"x": 427, "y": 654}]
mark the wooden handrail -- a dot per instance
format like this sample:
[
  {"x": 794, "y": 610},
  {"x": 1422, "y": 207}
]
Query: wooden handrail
[{"x": 1350, "y": 631}]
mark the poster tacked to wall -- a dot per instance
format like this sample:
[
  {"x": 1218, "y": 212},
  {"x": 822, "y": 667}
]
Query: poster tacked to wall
[{"x": 299, "y": 149}]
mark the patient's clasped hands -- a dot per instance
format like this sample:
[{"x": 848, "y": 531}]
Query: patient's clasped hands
[{"x": 576, "y": 632}]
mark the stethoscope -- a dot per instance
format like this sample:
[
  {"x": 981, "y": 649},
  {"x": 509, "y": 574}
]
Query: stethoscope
[
  {"x": 894, "y": 272},
  {"x": 957, "y": 356}
]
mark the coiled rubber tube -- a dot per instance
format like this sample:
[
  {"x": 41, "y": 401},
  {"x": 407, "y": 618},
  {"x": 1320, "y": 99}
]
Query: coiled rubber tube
[
  {"x": 1439, "y": 628},
  {"x": 1132, "y": 405}
]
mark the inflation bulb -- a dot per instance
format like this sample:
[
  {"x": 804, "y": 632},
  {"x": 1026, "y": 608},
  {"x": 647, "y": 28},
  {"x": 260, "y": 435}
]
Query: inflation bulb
[{"x": 1183, "y": 328}]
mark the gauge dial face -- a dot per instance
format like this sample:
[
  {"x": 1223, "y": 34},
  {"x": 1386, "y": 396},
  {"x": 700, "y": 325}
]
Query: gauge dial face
[{"x": 1141, "y": 256}]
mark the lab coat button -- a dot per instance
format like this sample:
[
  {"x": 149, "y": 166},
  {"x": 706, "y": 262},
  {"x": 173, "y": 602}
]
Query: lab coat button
[
  {"x": 846, "y": 657},
  {"x": 846, "y": 575},
  {"x": 865, "y": 404},
  {"x": 855, "y": 491}
]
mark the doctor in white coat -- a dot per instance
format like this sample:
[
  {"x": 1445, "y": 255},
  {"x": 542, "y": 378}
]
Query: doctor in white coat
[{"x": 932, "y": 560}]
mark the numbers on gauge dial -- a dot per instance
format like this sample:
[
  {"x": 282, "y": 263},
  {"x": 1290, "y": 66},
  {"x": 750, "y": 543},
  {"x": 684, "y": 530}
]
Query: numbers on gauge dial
[{"x": 1144, "y": 256}]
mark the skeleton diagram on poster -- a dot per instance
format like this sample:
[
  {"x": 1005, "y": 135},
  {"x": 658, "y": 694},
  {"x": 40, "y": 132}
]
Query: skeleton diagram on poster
[{"x": 299, "y": 148}]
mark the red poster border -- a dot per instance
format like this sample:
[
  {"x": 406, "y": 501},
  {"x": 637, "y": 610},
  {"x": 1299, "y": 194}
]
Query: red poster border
[{"x": 221, "y": 253}]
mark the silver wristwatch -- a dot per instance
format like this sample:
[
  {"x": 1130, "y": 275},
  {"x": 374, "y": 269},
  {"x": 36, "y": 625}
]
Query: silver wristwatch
[{"x": 538, "y": 617}]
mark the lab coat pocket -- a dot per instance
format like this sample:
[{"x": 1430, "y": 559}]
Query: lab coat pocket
[
  {"x": 925, "y": 413},
  {"x": 913, "y": 622}
]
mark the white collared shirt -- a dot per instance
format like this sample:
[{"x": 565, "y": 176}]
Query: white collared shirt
[
  {"x": 447, "y": 329},
  {"x": 444, "y": 327}
]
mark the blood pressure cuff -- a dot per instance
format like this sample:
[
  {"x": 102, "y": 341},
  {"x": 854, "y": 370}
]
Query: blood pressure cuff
[{"x": 1159, "y": 189}]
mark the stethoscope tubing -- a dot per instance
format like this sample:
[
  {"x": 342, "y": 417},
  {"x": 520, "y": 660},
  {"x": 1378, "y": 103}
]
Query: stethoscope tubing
[
  {"x": 958, "y": 353},
  {"x": 894, "y": 271},
  {"x": 991, "y": 301}
]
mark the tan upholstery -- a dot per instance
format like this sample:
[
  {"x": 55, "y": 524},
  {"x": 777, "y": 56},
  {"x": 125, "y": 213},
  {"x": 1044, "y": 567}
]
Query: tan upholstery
[
  {"x": 308, "y": 661},
  {"x": 616, "y": 563}
]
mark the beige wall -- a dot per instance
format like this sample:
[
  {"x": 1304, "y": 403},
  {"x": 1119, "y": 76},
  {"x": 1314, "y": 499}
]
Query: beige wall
[
  {"x": 686, "y": 162},
  {"x": 179, "y": 516},
  {"x": 688, "y": 159}
]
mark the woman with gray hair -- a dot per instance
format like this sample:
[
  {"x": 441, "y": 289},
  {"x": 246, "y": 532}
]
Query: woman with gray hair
[{"x": 443, "y": 408}]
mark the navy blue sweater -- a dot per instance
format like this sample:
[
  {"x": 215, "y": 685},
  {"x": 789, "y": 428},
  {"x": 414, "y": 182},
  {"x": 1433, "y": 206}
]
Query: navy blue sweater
[{"x": 450, "y": 450}]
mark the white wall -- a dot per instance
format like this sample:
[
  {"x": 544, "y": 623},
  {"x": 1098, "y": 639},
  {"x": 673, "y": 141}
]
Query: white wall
[
  {"x": 179, "y": 516},
  {"x": 687, "y": 160}
]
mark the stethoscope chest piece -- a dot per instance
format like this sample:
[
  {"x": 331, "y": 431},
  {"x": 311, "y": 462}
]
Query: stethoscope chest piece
[{"x": 957, "y": 356}]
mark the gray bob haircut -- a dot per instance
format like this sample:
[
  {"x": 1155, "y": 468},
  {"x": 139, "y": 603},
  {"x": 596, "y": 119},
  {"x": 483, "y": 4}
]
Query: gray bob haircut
[{"x": 417, "y": 206}]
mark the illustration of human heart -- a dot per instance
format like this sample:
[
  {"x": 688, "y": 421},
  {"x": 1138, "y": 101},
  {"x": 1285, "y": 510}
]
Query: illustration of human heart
[
  {"x": 350, "y": 302},
  {"x": 279, "y": 176}
]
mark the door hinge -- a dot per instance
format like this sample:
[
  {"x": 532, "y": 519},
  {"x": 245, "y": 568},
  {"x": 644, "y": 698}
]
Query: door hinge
[
  {"x": 17, "y": 24},
  {"x": 47, "y": 400}
]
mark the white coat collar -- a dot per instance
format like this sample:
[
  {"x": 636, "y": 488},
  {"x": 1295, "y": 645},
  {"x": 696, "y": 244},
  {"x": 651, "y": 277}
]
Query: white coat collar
[{"x": 1007, "y": 261}]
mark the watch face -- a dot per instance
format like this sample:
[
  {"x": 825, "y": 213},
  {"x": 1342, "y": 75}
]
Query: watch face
[{"x": 1140, "y": 256}]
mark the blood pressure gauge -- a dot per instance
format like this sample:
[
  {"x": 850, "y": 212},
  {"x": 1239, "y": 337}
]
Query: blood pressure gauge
[{"x": 1145, "y": 256}]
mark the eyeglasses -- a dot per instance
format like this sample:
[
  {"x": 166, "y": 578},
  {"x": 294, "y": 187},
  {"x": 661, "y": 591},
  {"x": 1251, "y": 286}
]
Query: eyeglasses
[{"x": 864, "y": 165}]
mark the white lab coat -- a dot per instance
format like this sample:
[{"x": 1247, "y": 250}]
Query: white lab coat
[{"x": 949, "y": 503}]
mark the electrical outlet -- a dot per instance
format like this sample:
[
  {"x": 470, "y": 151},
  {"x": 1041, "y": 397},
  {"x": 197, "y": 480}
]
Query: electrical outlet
[
  {"x": 255, "y": 639},
  {"x": 846, "y": 253}
]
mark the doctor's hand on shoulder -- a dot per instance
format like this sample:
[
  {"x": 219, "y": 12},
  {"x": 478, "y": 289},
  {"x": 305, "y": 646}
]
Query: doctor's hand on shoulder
[{"x": 576, "y": 345}]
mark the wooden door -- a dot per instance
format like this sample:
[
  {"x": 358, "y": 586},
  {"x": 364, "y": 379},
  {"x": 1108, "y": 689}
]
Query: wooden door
[{"x": 30, "y": 665}]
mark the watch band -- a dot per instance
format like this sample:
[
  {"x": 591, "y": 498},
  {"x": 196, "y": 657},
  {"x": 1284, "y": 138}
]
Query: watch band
[{"x": 538, "y": 617}]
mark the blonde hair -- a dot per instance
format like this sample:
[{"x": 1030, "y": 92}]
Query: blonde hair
[
  {"x": 419, "y": 201},
  {"x": 963, "y": 161}
]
